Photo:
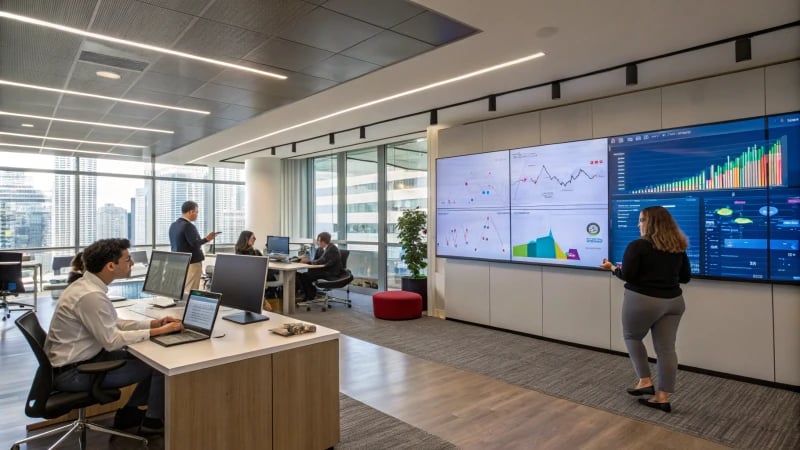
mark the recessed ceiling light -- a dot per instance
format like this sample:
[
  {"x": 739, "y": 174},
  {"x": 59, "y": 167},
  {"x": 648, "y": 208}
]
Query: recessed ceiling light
[
  {"x": 102, "y": 37},
  {"x": 99, "y": 124},
  {"x": 107, "y": 74},
  {"x": 102, "y": 97},
  {"x": 381, "y": 100},
  {"x": 27, "y": 125},
  {"x": 81, "y": 141},
  {"x": 56, "y": 149}
]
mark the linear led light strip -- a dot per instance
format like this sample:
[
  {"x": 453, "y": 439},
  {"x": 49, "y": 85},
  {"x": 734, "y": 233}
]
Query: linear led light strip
[
  {"x": 381, "y": 100},
  {"x": 56, "y": 149},
  {"x": 99, "y": 124},
  {"x": 50, "y": 138},
  {"x": 102, "y": 97},
  {"x": 103, "y": 37}
]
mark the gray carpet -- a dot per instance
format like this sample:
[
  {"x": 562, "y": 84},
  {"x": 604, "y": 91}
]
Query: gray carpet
[
  {"x": 362, "y": 428},
  {"x": 728, "y": 412}
]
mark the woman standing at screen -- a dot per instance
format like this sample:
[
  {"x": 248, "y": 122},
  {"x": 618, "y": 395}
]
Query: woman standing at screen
[{"x": 653, "y": 267}]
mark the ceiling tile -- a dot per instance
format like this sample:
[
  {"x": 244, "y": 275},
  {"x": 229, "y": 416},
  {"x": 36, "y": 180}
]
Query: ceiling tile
[
  {"x": 14, "y": 99},
  {"x": 221, "y": 93},
  {"x": 202, "y": 104},
  {"x": 260, "y": 100},
  {"x": 238, "y": 112},
  {"x": 341, "y": 68},
  {"x": 31, "y": 40},
  {"x": 186, "y": 68},
  {"x": 288, "y": 55},
  {"x": 85, "y": 79},
  {"x": 146, "y": 95},
  {"x": 193, "y": 7},
  {"x": 74, "y": 102},
  {"x": 140, "y": 22},
  {"x": 213, "y": 124},
  {"x": 111, "y": 135},
  {"x": 89, "y": 115},
  {"x": 385, "y": 13},
  {"x": 434, "y": 29},
  {"x": 158, "y": 82},
  {"x": 387, "y": 48},
  {"x": 329, "y": 30},
  {"x": 217, "y": 40},
  {"x": 251, "y": 82},
  {"x": 126, "y": 120},
  {"x": 263, "y": 16},
  {"x": 73, "y": 13},
  {"x": 64, "y": 130}
]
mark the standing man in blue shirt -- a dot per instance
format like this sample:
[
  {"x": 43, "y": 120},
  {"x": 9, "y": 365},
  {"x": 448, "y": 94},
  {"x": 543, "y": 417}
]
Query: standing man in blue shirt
[{"x": 183, "y": 237}]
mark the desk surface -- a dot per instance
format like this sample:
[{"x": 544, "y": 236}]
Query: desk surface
[
  {"x": 239, "y": 342},
  {"x": 286, "y": 265}
]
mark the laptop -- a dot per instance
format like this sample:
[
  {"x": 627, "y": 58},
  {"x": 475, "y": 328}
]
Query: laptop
[{"x": 198, "y": 319}]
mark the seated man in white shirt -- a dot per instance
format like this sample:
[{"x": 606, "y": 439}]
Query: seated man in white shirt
[{"x": 85, "y": 328}]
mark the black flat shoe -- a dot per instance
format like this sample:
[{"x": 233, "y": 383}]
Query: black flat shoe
[
  {"x": 649, "y": 390},
  {"x": 662, "y": 406}
]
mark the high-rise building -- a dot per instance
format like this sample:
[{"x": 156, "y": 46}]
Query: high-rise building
[
  {"x": 24, "y": 213},
  {"x": 64, "y": 203},
  {"x": 112, "y": 222},
  {"x": 141, "y": 216}
]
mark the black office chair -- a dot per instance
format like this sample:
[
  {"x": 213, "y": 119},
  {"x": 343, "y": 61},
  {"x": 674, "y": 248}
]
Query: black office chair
[
  {"x": 47, "y": 403},
  {"x": 327, "y": 285},
  {"x": 11, "y": 283}
]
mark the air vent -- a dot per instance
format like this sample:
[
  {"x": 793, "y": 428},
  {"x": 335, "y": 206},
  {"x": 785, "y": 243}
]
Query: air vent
[{"x": 113, "y": 61}]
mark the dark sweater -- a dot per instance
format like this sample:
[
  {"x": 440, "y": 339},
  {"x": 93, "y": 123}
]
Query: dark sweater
[
  {"x": 653, "y": 272},
  {"x": 183, "y": 237}
]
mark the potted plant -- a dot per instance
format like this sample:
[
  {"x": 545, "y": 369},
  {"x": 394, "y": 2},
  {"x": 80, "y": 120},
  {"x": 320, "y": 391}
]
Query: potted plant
[{"x": 412, "y": 234}]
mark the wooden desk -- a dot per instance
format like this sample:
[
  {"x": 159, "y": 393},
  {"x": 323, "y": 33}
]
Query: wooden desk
[
  {"x": 288, "y": 273},
  {"x": 250, "y": 389}
]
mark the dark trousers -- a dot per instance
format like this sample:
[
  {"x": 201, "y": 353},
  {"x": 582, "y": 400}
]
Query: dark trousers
[
  {"x": 149, "y": 390},
  {"x": 307, "y": 281}
]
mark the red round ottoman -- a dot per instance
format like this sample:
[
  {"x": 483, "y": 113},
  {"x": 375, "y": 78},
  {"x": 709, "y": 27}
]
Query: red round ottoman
[{"x": 397, "y": 305}]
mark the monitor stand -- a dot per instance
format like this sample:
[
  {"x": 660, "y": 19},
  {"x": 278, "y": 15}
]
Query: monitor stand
[{"x": 245, "y": 317}]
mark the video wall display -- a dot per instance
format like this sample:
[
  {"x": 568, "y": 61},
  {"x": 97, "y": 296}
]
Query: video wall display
[
  {"x": 545, "y": 204},
  {"x": 733, "y": 187}
]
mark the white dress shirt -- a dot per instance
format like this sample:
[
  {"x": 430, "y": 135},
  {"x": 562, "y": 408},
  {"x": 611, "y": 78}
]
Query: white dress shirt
[{"x": 86, "y": 322}]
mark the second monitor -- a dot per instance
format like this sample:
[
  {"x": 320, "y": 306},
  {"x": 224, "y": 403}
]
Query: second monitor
[
  {"x": 278, "y": 247},
  {"x": 166, "y": 276},
  {"x": 241, "y": 280}
]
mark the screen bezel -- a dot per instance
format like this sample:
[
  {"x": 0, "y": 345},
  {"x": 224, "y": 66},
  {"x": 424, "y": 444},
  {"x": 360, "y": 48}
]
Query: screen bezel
[
  {"x": 281, "y": 239},
  {"x": 150, "y": 265}
]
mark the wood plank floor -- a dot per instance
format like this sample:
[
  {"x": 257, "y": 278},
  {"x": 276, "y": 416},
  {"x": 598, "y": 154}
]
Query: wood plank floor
[{"x": 470, "y": 410}]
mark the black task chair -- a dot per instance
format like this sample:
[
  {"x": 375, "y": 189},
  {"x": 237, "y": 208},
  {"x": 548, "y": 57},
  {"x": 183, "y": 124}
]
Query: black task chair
[
  {"x": 47, "y": 403},
  {"x": 11, "y": 282},
  {"x": 326, "y": 285}
]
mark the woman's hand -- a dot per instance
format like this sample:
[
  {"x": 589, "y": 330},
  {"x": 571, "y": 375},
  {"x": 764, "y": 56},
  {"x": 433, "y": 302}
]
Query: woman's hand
[{"x": 607, "y": 265}]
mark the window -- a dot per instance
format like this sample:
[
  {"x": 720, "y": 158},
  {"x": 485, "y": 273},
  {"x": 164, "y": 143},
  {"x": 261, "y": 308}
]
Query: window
[
  {"x": 326, "y": 200},
  {"x": 362, "y": 192},
  {"x": 115, "y": 207},
  {"x": 170, "y": 198}
]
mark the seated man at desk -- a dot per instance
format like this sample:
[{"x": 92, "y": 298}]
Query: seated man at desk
[
  {"x": 85, "y": 329},
  {"x": 327, "y": 263}
]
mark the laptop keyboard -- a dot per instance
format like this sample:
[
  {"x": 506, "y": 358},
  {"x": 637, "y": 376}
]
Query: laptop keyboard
[{"x": 183, "y": 336}]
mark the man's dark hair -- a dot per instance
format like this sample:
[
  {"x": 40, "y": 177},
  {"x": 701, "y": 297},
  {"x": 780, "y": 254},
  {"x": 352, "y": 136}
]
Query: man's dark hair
[
  {"x": 102, "y": 252},
  {"x": 187, "y": 206},
  {"x": 324, "y": 237}
]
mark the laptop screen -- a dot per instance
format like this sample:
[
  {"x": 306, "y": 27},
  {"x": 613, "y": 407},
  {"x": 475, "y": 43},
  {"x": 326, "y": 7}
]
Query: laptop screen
[{"x": 201, "y": 311}]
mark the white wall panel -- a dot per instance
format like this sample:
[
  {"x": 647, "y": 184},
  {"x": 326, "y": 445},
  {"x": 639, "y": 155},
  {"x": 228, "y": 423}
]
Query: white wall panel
[
  {"x": 516, "y": 297},
  {"x": 468, "y": 290},
  {"x": 511, "y": 132},
  {"x": 786, "y": 301},
  {"x": 783, "y": 88},
  {"x": 715, "y": 99},
  {"x": 727, "y": 327},
  {"x": 567, "y": 123},
  {"x": 463, "y": 140},
  {"x": 576, "y": 306},
  {"x": 630, "y": 113}
]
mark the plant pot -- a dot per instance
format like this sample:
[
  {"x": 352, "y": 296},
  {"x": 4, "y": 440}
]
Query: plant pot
[{"x": 418, "y": 285}]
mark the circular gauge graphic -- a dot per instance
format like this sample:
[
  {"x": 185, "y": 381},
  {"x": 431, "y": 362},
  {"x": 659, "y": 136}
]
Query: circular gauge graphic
[
  {"x": 768, "y": 211},
  {"x": 593, "y": 229}
]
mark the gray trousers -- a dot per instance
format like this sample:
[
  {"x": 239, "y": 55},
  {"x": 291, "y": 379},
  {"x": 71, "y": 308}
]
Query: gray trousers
[{"x": 641, "y": 313}]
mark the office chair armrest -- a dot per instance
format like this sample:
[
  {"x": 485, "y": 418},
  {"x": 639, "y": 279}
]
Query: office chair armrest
[{"x": 100, "y": 369}]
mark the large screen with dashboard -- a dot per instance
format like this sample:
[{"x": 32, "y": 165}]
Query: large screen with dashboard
[
  {"x": 733, "y": 187},
  {"x": 545, "y": 204}
]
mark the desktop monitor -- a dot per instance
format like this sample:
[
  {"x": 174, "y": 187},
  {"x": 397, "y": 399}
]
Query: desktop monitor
[
  {"x": 60, "y": 262},
  {"x": 278, "y": 245},
  {"x": 11, "y": 273},
  {"x": 241, "y": 280},
  {"x": 139, "y": 257},
  {"x": 166, "y": 274}
]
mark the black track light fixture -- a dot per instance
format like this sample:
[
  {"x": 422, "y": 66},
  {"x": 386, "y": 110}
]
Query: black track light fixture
[
  {"x": 434, "y": 117},
  {"x": 555, "y": 90},
  {"x": 294, "y": 147},
  {"x": 743, "y": 50},
  {"x": 331, "y": 139},
  {"x": 492, "y": 103},
  {"x": 631, "y": 74},
  {"x": 272, "y": 150},
  {"x": 362, "y": 133}
]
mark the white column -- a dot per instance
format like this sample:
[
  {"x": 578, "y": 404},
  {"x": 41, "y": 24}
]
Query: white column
[{"x": 263, "y": 196}]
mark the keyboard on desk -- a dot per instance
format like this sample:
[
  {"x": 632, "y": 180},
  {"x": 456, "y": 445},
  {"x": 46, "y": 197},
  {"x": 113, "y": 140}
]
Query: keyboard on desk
[{"x": 179, "y": 338}]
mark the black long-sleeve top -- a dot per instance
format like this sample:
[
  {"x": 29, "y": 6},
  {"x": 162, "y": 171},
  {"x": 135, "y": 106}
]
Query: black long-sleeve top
[
  {"x": 331, "y": 258},
  {"x": 183, "y": 237},
  {"x": 653, "y": 272}
]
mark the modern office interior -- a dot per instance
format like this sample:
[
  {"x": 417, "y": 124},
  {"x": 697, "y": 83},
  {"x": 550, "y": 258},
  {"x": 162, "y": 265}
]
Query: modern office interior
[{"x": 290, "y": 118}]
